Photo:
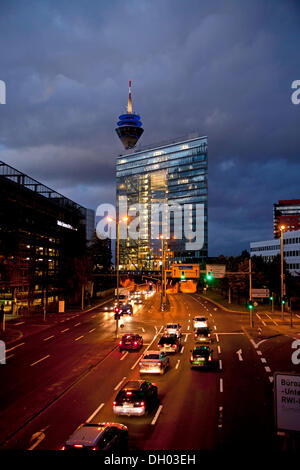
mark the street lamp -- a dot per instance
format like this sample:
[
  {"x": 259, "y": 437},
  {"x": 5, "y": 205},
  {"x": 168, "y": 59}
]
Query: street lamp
[
  {"x": 163, "y": 271},
  {"x": 282, "y": 228},
  {"x": 123, "y": 219}
]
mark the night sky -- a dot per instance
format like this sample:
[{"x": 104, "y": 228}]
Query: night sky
[{"x": 221, "y": 68}]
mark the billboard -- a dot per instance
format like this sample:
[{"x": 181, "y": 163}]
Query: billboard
[{"x": 217, "y": 270}]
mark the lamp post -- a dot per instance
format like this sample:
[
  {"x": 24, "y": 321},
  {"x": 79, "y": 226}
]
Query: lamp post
[
  {"x": 282, "y": 228},
  {"x": 163, "y": 271},
  {"x": 124, "y": 219}
]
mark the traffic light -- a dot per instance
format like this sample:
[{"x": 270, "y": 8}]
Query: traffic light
[
  {"x": 209, "y": 276},
  {"x": 284, "y": 300},
  {"x": 182, "y": 276},
  {"x": 271, "y": 298},
  {"x": 250, "y": 305},
  {"x": 117, "y": 313}
]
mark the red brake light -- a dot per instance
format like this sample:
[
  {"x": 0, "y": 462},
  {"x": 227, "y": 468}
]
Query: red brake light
[
  {"x": 159, "y": 345},
  {"x": 128, "y": 393},
  {"x": 142, "y": 403},
  {"x": 78, "y": 446},
  {"x": 135, "y": 343},
  {"x": 209, "y": 358},
  {"x": 114, "y": 403},
  {"x": 191, "y": 358},
  {"x": 120, "y": 343},
  {"x": 173, "y": 345},
  {"x": 63, "y": 448}
]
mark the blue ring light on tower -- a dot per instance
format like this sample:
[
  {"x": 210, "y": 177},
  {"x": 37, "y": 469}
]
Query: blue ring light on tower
[{"x": 129, "y": 127}]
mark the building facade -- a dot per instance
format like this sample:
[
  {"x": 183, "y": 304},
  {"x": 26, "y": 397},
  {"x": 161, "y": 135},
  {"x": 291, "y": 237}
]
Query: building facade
[
  {"x": 170, "y": 179},
  {"x": 291, "y": 250},
  {"x": 287, "y": 213},
  {"x": 40, "y": 232}
]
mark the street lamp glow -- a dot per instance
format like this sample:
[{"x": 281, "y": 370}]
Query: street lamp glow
[{"x": 282, "y": 227}]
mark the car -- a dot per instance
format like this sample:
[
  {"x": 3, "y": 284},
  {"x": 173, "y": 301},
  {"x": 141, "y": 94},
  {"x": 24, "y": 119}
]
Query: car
[
  {"x": 200, "y": 322},
  {"x": 169, "y": 343},
  {"x": 154, "y": 362},
  {"x": 130, "y": 341},
  {"x": 103, "y": 437},
  {"x": 201, "y": 356},
  {"x": 136, "y": 398},
  {"x": 203, "y": 335},
  {"x": 126, "y": 309},
  {"x": 173, "y": 329},
  {"x": 138, "y": 301}
]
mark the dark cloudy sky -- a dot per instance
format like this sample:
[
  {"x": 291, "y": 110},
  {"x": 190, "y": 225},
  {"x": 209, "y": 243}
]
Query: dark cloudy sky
[{"x": 222, "y": 68}]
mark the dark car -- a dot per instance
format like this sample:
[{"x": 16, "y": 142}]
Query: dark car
[
  {"x": 126, "y": 309},
  {"x": 130, "y": 341},
  {"x": 203, "y": 335},
  {"x": 169, "y": 343},
  {"x": 201, "y": 356},
  {"x": 103, "y": 437},
  {"x": 136, "y": 398}
]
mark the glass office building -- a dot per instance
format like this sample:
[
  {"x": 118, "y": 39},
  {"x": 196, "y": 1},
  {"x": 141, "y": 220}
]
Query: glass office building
[{"x": 166, "y": 187}]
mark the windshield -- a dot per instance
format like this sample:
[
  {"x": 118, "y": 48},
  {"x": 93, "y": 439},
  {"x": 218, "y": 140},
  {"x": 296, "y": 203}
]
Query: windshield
[
  {"x": 152, "y": 356},
  {"x": 200, "y": 352}
]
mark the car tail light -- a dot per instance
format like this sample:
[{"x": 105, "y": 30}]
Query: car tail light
[
  {"x": 63, "y": 448},
  {"x": 78, "y": 446},
  {"x": 142, "y": 403},
  {"x": 159, "y": 346},
  {"x": 135, "y": 343},
  {"x": 120, "y": 343},
  {"x": 128, "y": 393},
  {"x": 173, "y": 345},
  {"x": 140, "y": 363},
  {"x": 208, "y": 334},
  {"x": 191, "y": 358},
  {"x": 209, "y": 358},
  {"x": 157, "y": 364},
  {"x": 94, "y": 448},
  {"x": 114, "y": 403}
]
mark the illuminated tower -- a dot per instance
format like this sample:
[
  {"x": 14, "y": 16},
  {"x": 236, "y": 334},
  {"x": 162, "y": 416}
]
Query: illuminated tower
[{"x": 129, "y": 127}]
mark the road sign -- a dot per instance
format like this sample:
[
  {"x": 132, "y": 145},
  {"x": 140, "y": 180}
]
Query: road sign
[
  {"x": 260, "y": 293},
  {"x": 216, "y": 270},
  {"x": 287, "y": 401},
  {"x": 188, "y": 271}
]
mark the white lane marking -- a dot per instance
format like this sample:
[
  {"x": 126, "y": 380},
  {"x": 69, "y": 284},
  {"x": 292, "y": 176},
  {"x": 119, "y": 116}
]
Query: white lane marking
[
  {"x": 93, "y": 329},
  {"x": 219, "y": 349},
  {"x": 188, "y": 327},
  {"x": 297, "y": 315},
  {"x": 220, "y": 364},
  {"x": 267, "y": 369},
  {"x": 189, "y": 321},
  {"x": 123, "y": 356},
  {"x": 143, "y": 330},
  {"x": 21, "y": 344},
  {"x": 259, "y": 352},
  {"x": 77, "y": 324},
  {"x": 40, "y": 360},
  {"x": 217, "y": 337},
  {"x": 177, "y": 365},
  {"x": 271, "y": 379},
  {"x": 63, "y": 331},
  {"x": 261, "y": 320},
  {"x": 221, "y": 385},
  {"x": 49, "y": 337},
  {"x": 263, "y": 360},
  {"x": 11, "y": 355},
  {"x": 119, "y": 384},
  {"x": 186, "y": 337},
  {"x": 215, "y": 327},
  {"x": 93, "y": 316},
  {"x": 156, "y": 415},
  {"x": 220, "y": 416},
  {"x": 275, "y": 323},
  {"x": 79, "y": 337},
  {"x": 239, "y": 353},
  {"x": 182, "y": 350},
  {"x": 20, "y": 323},
  {"x": 95, "y": 412}
]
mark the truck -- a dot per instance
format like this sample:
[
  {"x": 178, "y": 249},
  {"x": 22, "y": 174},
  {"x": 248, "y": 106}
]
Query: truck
[{"x": 124, "y": 294}]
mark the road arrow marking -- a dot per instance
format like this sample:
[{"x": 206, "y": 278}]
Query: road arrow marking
[
  {"x": 239, "y": 353},
  {"x": 37, "y": 437}
]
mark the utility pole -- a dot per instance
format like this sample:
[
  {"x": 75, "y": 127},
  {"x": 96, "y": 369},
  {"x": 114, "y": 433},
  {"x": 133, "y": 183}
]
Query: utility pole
[
  {"x": 250, "y": 279},
  {"x": 44, "y": 304},
  {"x": 282, "y": 228}
]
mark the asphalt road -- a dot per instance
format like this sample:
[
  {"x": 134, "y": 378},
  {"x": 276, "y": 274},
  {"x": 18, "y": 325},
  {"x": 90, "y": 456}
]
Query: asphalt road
[{"x": 61, "y": 377}]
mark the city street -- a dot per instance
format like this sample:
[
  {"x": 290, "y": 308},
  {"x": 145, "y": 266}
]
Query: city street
[{"x": 70, "y": 373}]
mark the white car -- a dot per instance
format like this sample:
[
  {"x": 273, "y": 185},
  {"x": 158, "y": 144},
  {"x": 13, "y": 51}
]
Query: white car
[
  {"x": 200, "y": 322},
  {"x": 173, "y": 329},
  {"x": 154, "y": 362}
]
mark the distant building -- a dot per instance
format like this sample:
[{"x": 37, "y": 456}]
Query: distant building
[
  {"x": 270, "y": 248},
  {"x": 40, "y": 230},
  {"x": 287, "y": 213},
  {"x": 174, "y": 173}
]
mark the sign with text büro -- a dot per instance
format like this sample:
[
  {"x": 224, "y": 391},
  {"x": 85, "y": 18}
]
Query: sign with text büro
[
  {"x": 287, "y": 401},
  {"x": 260, "y": 293}
]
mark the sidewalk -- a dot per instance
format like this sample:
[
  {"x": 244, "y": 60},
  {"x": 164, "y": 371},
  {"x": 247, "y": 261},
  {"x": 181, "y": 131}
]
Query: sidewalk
[
  {"x": 270, "y": 323},
  {"x": 17, "y": 327}
]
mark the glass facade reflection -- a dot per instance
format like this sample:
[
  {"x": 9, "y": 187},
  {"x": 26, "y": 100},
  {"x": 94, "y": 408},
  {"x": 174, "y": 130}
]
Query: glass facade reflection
[{"x": 173, "y": 175}]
